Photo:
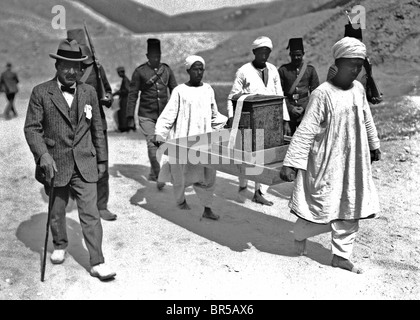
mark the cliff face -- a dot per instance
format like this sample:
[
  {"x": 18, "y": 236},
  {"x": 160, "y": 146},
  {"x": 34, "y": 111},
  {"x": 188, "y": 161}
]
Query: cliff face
[
  {"x": 392, "y": 32},
  {"x": 392, "y": 37}
]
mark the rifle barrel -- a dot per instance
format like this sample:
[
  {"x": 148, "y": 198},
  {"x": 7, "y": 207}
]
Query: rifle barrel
[
  {"x": 348, "y": 16},
  {"x": 101, "y": 86}
]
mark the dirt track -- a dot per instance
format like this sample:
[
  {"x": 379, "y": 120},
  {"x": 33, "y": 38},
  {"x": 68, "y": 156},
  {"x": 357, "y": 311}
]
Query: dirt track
[{"x": 163, "y": 253}]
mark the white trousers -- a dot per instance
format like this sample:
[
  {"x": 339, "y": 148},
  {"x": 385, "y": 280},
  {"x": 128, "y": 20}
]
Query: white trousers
[
  {"x": 343, "y": 234},
  {"x": 202, "y": 179}
]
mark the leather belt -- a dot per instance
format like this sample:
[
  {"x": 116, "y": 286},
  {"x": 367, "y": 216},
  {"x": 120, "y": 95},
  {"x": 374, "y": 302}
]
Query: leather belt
[{"x": 297, "y": 96}]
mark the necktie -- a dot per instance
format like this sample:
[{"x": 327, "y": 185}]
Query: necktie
[{"x": 68, "y": 89}]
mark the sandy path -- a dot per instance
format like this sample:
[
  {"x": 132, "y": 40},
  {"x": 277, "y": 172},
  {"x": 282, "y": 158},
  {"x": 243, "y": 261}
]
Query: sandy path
[{"x": 160, "y": 252}]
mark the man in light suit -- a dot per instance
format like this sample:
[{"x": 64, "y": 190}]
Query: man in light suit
[{"x": 64, "y": 132}]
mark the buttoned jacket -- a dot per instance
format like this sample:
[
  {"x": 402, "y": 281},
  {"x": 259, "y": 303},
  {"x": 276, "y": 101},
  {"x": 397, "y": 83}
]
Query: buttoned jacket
[{"x": 50, "y": 129}]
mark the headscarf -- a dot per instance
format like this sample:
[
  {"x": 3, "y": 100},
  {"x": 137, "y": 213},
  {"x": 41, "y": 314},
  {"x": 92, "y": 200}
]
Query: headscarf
[
  {"x": 193, "y": 59},
  {"x": 349, "y": 47},
  {"x": 262, "y": 42}
]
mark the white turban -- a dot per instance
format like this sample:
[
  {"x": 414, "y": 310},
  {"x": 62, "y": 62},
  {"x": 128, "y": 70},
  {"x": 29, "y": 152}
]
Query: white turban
[
  {"x": 262, "y": 42},
  {"x": 193, "y": 59},
  {"x": 349, "y": 47}
]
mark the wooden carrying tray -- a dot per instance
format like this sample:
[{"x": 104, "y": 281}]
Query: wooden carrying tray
[{"x": 227, "y": 152}]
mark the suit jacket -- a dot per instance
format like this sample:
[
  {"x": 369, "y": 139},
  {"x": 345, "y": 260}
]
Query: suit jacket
[{"x": 48, "y": 128}]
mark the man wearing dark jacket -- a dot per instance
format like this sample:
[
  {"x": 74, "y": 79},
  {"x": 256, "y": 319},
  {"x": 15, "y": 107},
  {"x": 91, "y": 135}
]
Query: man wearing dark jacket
[
  {"x": 123, "y": 95},
  {"x": 9, "y": 84},
  {"x": 156, "y": 81},
  {"x": 298, "y": 80}
]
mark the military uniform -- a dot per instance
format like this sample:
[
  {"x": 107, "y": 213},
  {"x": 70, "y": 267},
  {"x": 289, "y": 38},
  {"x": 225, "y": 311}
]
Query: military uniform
[
  {"x": 123, "y": 94},
  {"x": 300, "y": 96},
  {"x": 155, "y": 85},
  {"x": 92, "y": 80}
]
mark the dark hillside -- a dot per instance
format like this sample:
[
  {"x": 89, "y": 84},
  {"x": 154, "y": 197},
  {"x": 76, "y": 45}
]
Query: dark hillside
[{"x": 142, "y": 19}]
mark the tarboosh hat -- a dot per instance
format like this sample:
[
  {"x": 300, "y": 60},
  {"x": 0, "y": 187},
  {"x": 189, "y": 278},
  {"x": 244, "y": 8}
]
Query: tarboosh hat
[
  {"x": 354, "y": 31},
  {"x": 153, "y": 46},
  {"x": 78, "y": 35},
  {"x": 295, "y": 44}
]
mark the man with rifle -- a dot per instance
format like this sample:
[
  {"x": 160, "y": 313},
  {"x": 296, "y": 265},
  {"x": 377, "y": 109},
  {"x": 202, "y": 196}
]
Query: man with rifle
[
  {"x": 94, "y": 75},
  {"x": 365, "y": 77}
]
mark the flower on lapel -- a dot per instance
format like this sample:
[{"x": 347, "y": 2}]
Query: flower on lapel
[{"x": 88, "y": 111}]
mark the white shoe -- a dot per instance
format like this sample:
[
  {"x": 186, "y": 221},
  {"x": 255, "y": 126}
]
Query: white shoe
[
  {"x": 58, "y": 256},
  {"x": 103, "y": 272}
]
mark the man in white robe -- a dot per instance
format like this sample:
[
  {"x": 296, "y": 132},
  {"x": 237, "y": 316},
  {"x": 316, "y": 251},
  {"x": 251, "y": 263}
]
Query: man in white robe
[
  {"x": 330, "y": 157},
  {"x": 191, "y": 110},
  {"x": 258, "y": 77}
]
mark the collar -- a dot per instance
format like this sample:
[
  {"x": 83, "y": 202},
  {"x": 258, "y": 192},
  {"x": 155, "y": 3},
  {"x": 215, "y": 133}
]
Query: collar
[
  {"x": 260, "y": 69},
  {"x": 60, "y": 84},
  {"x": 297, "y": 67},
  {"x": 150, "y": 66}
]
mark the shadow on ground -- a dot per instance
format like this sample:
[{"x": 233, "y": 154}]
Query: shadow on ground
[
  {"x": 32, "y": 234},
  {"x": 239, "y": 227}
]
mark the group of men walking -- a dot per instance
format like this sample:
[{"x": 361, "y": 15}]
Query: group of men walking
[{"x": 334, "y": 138}]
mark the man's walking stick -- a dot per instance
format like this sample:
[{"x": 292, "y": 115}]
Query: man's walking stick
[{"x": 50, "y": 203}]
